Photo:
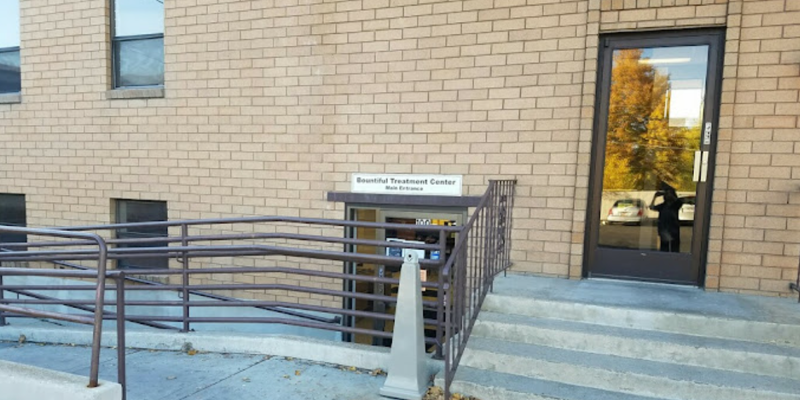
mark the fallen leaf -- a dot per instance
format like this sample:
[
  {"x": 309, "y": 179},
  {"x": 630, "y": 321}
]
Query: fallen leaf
[
  {"x": 191, "y": 352},
  {"x": 297, "y": 372},
  {"x": 352, "y": 368},
  {"x": 22, "y": 339},
  {"x": 289, "y": 358},
  {"x": 286, "y": 377}
]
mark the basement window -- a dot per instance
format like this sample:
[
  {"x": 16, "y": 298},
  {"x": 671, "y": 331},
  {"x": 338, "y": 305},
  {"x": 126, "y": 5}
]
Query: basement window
[
  {"x": 133, "y": 211},
  {"x": 12, "y": 213}
]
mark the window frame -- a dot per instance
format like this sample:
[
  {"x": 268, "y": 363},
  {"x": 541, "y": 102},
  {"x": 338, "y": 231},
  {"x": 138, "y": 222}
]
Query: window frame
[
  {"x": 14, "y": 50},
  {"x": 124, "y": 233},
  {"x": 115, "y": 40}
]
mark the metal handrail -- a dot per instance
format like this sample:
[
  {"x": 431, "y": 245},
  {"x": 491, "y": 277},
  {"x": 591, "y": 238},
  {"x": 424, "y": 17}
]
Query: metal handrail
[
  {"x": 59, "y": 252},
  {"x": 97, "y": 320},
  {"x": 251, "y": 220},
  {"x": 796, "y": 285},
  {"x": 481, "y": 252}
]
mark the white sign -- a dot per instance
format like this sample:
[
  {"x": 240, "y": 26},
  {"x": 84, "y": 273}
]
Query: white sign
[{"x": 426, "y": 185}]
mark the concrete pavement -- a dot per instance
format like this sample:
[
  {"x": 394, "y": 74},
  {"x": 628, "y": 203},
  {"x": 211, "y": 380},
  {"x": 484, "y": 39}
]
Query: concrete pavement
[{"x": 154, "y": 375}]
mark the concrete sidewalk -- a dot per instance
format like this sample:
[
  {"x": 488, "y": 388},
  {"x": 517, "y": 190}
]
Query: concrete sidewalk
[{"x": 154, "y": 375}]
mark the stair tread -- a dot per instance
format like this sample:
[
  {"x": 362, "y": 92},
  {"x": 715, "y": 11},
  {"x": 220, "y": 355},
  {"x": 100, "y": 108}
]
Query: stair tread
[
  {"x": 651, "y": 297},
  {"x": 715, "y": 325},
  {"x": 544, "y": 388},
  {"x": 676, "y": 372},
  {"x": 776, "y": 349}
]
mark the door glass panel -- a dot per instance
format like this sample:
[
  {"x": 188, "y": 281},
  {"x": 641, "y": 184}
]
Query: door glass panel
[{"x": 655, "y": 115}]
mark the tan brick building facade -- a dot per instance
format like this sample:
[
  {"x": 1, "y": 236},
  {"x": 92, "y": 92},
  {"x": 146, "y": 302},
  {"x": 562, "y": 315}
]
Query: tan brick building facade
[{"x": 268, "y": 105}]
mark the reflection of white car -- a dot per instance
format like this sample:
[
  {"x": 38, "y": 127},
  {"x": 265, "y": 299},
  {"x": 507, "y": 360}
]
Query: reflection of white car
[
  {"x": 627, "y": 211},
  {"x": 686, "y": 213}
]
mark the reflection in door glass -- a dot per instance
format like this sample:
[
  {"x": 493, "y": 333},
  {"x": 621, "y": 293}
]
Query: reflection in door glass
[{"x": 655, "y": 115}]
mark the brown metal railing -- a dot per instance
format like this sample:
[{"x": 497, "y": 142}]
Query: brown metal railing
[
  {"x": 100, "y": 255},
  {"x": 796, "y": 284},
  {"x": 481, "y": 252},
  {"x": 186, "y": 250}
]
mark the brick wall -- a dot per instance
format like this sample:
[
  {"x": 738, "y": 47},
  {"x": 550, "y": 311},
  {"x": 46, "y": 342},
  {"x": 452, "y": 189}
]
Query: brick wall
[
  {"x": 757, "y": 198},
  {"x": 269, "y": 105}
]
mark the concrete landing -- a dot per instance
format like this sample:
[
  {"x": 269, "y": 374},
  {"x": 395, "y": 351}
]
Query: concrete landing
[
  {"x": 652, "y": 297},
  {"x": 544, "y": 339},
  {"x": 154, "y": 375}
]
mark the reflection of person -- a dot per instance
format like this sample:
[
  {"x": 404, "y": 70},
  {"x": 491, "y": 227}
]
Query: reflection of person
[{"x": 669, "y": 228}]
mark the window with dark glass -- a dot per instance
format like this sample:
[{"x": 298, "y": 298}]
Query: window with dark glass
[
  {"x": 138, "y": 43},
  {"x": 10, "y": 79},
  {"x": 132, "y": 211},
  {"x": 12, "y": 213}
]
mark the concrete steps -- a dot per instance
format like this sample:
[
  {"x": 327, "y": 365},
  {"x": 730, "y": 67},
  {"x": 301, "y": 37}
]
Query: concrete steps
[
  {"x": 724, "y": 354},
  {"x": 715, "y": 326},
  {"x": 492, "y": 385},
  {"x": 624, "y": 375},
  {"x": 532, "y": 347}
]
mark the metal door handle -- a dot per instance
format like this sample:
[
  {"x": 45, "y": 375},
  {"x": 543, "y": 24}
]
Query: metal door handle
[
  {"x": 696, "y": 171},
  {"x": 704, "y": 168}
]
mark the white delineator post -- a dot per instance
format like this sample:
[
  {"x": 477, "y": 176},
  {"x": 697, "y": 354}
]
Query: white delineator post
[{"x": 407, "y": 377}]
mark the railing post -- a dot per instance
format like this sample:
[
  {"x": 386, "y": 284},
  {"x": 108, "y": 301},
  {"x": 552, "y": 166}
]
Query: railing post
[
  {"x": 185, "y": 277},
  {"x": 100, "y": 298},
  {"x": 448, "y": 333},
  {"x": 2, "y": 296},
  {"x": 491, "y": 233},
  {"x": 796, "y": 286},
  {"x": 440, "y": 320},
  {"x": 121, "y": 333},
  {"x": 509, "y": 220}
]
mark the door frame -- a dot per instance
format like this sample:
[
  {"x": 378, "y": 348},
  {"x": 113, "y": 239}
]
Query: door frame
[{"x": 715, "y": 39}]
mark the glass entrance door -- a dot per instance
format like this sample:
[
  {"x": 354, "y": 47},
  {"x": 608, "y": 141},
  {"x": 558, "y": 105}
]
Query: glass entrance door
[{"x": 653, "y": 156}]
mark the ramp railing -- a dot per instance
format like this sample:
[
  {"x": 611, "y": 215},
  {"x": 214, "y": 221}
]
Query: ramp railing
[
  {"x": 100, "y": 256},
  {"x": 482, "y": 251},
  {"x": 288, "y": 265},
  {"x": 796, "y": 284},
  {"x": 316, "y": 275}
]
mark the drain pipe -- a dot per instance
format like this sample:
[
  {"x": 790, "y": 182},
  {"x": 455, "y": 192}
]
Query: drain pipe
[{"x": 407, "y": 377}]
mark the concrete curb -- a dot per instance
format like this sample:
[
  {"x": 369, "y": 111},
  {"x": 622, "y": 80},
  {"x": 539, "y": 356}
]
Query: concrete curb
[
  {"x": 349, "y": 354},
  {"x": 23, "y": 382}
]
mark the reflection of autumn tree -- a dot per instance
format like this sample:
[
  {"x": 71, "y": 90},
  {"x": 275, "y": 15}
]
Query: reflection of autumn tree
[{"x": 642, "y": 149}]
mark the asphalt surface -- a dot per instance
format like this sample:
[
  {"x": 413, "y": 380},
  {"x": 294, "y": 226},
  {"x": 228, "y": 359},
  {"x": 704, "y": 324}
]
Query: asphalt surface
[{"x": 154, "y": 375}]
